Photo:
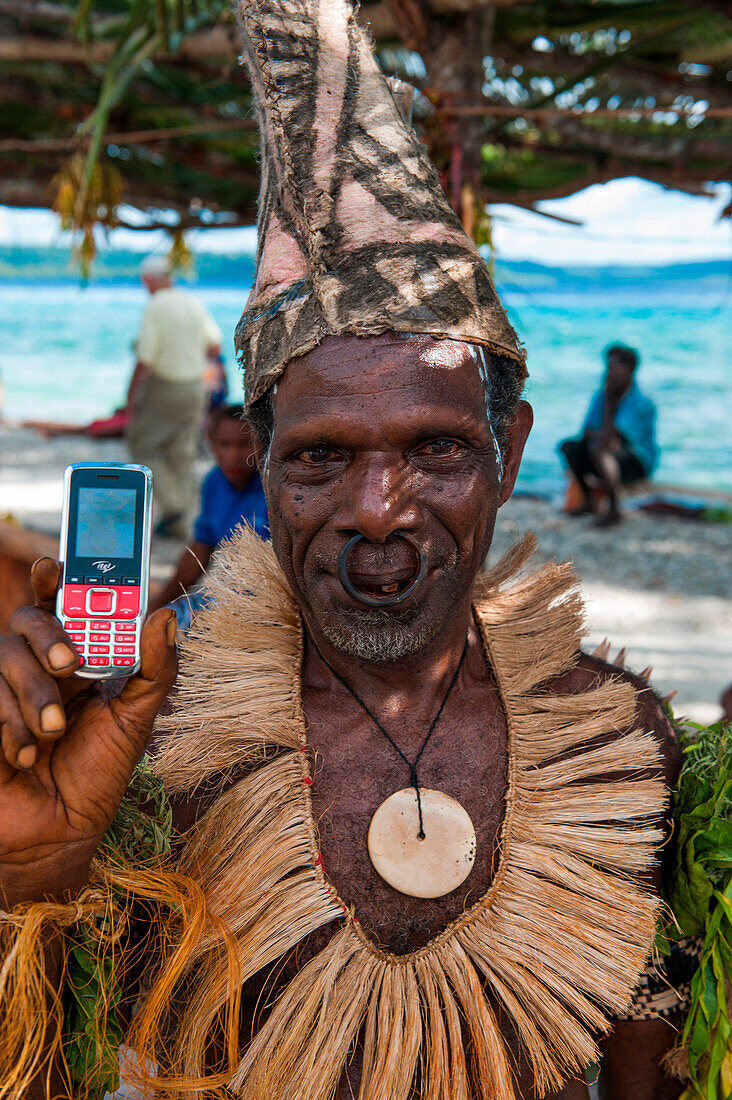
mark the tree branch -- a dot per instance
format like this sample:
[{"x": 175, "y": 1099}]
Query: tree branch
[
  {"x": 131, "y": 137},
  {"x": 216, "y": 44},
  {"x": 412, "y": 22}
]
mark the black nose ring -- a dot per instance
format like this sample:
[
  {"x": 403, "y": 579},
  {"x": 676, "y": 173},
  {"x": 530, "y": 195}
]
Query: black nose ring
[{"x": 389, "y": 601}]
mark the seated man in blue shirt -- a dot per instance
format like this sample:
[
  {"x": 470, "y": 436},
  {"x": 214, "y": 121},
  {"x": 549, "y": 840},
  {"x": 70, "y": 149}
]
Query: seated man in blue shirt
[
  {"x": 618, "y": 441},
  {"x": 231, "y": 494}
]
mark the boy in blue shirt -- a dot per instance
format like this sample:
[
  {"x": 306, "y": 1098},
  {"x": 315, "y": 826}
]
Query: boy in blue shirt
[
  {"x": 231, "y": 494},
  {"x": 618, "y": 441}
]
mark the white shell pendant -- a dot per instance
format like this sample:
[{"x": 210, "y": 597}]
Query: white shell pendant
[{"x": 425, "y": 868}]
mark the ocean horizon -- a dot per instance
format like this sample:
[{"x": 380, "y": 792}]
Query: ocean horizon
[{"x": 66, "y": 354}]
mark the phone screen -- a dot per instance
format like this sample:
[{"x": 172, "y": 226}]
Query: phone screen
[
  {"x": 106, "y": 519},
  {"x": 105, "y": 523}
]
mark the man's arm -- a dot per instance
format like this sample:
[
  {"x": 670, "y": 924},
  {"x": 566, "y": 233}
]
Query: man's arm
[
  {"x": 632, "y": 1057},
  {"x": 147, "y": 348},
  {"x": 66, "y": 757},
  {"x": 139, "y": 374},
  {"x": 593, "y": 419},
  {"x": 191, "y": 565},
  {"x": 213, "y": 334},
  {"x": 632, "y": 1053}
]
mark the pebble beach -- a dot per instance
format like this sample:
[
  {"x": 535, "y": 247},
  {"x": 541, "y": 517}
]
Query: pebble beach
[{"x": 660, "y": 587}]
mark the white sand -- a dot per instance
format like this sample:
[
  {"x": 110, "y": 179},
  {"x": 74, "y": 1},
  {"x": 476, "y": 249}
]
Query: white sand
[{"x": 660, "y": 587}]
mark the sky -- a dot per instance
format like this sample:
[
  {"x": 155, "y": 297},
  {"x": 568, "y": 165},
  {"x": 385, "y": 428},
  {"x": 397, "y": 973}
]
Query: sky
[{"x": 625, "y": 221}]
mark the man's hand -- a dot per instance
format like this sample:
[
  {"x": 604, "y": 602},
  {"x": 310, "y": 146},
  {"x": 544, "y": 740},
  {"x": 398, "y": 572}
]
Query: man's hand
[{"x": 67, "y": 754}]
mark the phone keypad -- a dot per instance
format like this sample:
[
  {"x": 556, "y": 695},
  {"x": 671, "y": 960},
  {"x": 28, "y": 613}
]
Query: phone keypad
[{"x": 103, "y": 643}]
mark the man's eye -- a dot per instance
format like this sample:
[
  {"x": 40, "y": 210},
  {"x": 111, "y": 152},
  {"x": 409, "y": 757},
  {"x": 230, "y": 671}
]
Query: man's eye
[
  {"x": 441, "y": 447},
  {"x": 317, "y": 456}
]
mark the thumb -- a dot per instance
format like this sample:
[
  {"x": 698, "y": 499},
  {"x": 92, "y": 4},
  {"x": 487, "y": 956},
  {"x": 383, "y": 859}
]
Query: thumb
[
  {"x": 45, "y": 577},
  {"x": 142, "y": 697}
]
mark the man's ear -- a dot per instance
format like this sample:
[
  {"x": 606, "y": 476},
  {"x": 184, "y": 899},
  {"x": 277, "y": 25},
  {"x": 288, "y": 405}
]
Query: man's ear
[{"x": 516, "y": 435}]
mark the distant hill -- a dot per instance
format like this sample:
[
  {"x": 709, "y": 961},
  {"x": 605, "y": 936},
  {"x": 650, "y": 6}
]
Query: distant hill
[
  {"x": 528, "y": 275},
  {"x": 54, "y": 265}
]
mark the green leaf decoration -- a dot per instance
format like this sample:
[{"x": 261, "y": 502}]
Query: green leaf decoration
[{"x": 700, "y": 896}]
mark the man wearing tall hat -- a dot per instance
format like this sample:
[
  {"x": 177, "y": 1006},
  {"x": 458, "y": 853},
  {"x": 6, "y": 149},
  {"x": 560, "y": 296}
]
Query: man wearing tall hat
[
  {"x": 178, "y": 339},
  {"x": 418, "y": 828}
]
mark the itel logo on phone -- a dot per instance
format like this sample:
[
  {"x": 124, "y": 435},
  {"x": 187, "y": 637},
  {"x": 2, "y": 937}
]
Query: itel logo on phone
[{"x": 104, "y": 566}]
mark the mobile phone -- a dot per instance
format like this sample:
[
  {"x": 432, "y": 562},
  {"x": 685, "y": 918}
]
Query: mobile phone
[{"x": 105, "y": 560}]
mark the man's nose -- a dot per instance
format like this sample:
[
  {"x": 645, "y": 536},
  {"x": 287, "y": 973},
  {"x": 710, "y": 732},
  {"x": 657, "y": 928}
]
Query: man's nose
[{"x": 379, "y": 499}]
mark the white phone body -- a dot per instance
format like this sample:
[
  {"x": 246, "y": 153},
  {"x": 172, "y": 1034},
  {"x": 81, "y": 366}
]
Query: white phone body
[{"x": 104, "y": 550}]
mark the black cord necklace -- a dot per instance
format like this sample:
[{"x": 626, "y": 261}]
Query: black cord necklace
[{"x": 412, "y": 765}]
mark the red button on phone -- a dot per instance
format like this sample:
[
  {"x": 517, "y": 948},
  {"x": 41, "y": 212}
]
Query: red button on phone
[
  {"x": 124, "y": 626},
  {"x": 99, "y": 649},
  {"x": 99, "y": 626},
  {"x": 124, "y": 660},
  {"x": 101, "y": 601},
  {"x": 74, "y": 596},
  {"x": 78, "y": 637},
  {"x": 124, "y": 649},
  {"x": 99, "y": 637},
  {"x": 128, "y": 602},
  {"x": 73, "y": 626},
  {"x": 98, "y": 661}
]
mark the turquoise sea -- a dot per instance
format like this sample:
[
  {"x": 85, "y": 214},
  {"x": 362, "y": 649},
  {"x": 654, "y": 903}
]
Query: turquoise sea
[{"x": 66, "y": 354}]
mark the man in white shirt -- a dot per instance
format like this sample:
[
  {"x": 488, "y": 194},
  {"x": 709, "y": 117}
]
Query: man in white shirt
[{"x": 166, "y": 398}]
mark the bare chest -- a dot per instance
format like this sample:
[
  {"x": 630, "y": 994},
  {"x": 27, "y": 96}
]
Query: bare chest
[{"x": 355, "y": 768}]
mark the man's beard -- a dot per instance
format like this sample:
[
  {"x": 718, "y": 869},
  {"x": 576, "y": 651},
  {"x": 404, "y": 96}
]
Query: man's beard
[
  {"x": 383, "y": 636},
  {"x": 374, "y": 635}
]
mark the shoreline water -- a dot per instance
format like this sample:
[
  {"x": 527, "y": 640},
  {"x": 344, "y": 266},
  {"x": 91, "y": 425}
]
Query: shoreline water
[
  {"x": 67, "y": 355},
  {"x": 658, "y": 586}
]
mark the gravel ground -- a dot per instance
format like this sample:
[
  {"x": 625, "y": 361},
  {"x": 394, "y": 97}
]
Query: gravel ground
[{"x": 662, "y": 587}]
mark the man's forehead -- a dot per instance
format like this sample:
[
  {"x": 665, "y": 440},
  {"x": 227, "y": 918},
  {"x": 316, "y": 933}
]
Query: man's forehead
[
  {"x": 447, "y": 353},
  {"x": 382, "y": 363}
]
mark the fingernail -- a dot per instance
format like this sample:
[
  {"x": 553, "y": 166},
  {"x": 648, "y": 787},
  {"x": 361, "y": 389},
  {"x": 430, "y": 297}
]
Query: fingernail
[
  {"x": 171, "y": 630},
  {"x": 53, "y": 719},
  {"x": 26, "y": 757},
  {"x": 59, "y": 656}
]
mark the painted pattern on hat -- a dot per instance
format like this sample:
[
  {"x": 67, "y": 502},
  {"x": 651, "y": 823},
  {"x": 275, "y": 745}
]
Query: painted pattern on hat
[{"x": 356, "y": 235}]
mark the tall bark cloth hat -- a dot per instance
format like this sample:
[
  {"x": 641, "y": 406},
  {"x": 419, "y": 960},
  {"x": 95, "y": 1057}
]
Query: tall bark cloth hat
[{"x": 356, "y": 235}]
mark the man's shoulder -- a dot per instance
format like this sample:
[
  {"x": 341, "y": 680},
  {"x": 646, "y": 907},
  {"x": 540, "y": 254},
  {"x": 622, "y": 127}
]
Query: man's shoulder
[
  {"x": 590, "y": 672},
  {"x": 214, "y": 482},
  {"x": 174, "y": 298},
  {"x": 597, "y": 403},
  {"x": 642, "y": 400}
]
